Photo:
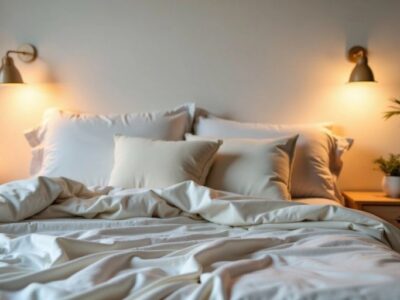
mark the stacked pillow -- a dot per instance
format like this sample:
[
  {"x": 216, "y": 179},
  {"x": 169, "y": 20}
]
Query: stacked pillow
[
  {"x": 81, "y": 146},
  {"x": 145, "y": 150},
  {"x": 317, "y": 161}
]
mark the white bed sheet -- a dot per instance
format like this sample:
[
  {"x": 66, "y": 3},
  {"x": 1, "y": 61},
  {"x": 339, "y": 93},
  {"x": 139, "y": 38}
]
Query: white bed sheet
[{"x": 187, "y": 242}]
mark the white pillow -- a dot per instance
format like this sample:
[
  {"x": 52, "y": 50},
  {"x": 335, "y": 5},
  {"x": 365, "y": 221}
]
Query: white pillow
[
  {"x": 81, "y": 146},
  {"x": 251, "y": 167},
  {"x": 144, "y": 163},
  {"x": 317, "y": 162}
]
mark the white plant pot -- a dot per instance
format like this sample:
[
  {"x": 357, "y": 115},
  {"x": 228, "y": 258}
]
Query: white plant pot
[{"x": 391, "y": 186}]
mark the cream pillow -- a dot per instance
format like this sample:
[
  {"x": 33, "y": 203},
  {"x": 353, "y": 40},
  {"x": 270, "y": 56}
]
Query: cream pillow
[
  {"x": 253, "y": 167},
  {"x": 144, "y": 163}
]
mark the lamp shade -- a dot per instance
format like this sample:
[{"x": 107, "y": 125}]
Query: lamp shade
[
  {"x": 8, "y": 72},
  {"x": 362, "y": 72}
]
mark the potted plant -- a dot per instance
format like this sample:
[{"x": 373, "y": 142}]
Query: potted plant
[{"x": 391, "y": 168}]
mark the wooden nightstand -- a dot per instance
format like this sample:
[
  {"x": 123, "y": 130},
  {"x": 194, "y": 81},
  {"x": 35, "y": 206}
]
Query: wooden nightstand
[{"x": 375, "y": 203}]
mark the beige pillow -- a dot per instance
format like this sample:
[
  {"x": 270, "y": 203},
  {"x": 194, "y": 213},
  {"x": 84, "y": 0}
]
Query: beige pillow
[
  {"x": 317, "y": 162},
  {"x": 144, "y": 163},
  {"x": 253, "y": 167}
]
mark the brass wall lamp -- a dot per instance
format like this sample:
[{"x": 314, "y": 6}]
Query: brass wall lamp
[
  {"x": 9, "y": 73},
  {"x": 361, "y": 72}
]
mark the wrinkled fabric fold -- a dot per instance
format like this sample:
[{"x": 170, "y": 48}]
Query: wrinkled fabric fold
[{"x": 62, "y": 240}]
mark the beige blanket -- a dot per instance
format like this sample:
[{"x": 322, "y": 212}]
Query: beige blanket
[{"x": 187, "y": 242}]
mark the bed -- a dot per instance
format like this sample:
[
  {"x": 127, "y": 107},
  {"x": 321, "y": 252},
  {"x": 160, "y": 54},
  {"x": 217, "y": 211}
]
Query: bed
[{"x": 189, "y": 240}]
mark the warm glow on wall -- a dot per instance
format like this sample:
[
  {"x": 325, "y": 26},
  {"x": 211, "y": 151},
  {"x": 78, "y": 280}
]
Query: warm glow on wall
[
  {"x": 28, "y": 99},
  {"x": 21, "y": 108},
  {"x": 360, "y": 96}
]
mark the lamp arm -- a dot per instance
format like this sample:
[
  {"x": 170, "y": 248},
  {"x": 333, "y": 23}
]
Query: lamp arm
[
  {"x": 18, "y": 52},
  {"x": 27, "y": 53}
]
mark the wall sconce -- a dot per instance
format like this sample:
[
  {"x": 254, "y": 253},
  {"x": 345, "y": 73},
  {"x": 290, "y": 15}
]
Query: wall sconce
[
  {"x": 8, "y": 71},
  {"x": 361, "y": 72}
]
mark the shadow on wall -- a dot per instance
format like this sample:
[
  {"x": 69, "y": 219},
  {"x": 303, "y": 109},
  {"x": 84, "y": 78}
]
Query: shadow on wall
[{"x": 361, "y": 159}]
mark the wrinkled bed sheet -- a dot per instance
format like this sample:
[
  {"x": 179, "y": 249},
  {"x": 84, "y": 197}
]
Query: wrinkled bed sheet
[{"x": 60, "y": 240}]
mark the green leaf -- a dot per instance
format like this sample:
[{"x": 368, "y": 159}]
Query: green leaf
[
  {"x": 389, "y": 166},
  {"x": 395, "y": 109}
]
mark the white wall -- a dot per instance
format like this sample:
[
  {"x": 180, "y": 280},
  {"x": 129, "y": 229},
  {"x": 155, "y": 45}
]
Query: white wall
[{"x": 277, "y": 61}]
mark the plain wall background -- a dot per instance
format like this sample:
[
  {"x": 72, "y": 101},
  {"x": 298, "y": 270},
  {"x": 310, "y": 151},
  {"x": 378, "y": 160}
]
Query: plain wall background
[{"x": 276, "y": 61}]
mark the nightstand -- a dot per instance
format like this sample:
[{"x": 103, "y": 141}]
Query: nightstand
[{"x": 375, "y": 203}]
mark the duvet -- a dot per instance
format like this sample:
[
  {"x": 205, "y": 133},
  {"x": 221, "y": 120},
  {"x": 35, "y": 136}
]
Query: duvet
[{"x": 61, "y": 240}]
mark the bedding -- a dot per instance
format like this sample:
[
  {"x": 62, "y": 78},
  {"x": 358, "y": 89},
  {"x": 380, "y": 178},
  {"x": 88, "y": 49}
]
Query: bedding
[
  {"x": 80, "y": 145},
  {"x": 317, "y": 162},
  {"x": 144, "y": 163},
  {"x": 253, "y": 167},
  {"x": 62, "y": 240},
  {"x": 317, "y": 201}
]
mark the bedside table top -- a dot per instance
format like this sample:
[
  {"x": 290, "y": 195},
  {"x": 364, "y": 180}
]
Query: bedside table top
[
  {"x": 375, "y": 203},
  {"x": 370, "y": 197}
]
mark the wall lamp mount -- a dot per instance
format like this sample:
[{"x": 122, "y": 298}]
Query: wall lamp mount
[
  {"x": 9, "y": 74},
  {"x": 362, "y": 71}
]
